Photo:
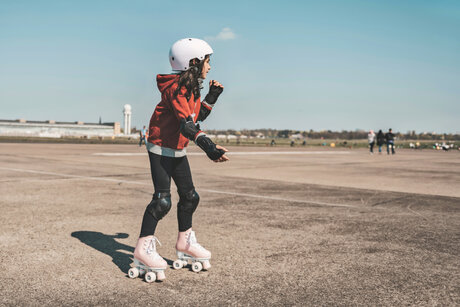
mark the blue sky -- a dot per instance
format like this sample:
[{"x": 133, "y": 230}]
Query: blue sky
[{"x": 284, "y": 64}]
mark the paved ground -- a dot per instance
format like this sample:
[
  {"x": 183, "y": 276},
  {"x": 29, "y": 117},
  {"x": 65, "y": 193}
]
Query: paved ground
[{"x": 313, "y": 227}]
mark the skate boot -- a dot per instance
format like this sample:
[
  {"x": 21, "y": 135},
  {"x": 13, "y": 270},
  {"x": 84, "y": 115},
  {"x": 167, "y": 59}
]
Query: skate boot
[
  {"x": 147, "y": 261},
  {"x": 188, "y": 249}
]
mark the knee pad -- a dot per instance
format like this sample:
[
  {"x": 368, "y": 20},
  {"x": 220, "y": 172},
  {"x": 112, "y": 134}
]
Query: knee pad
[
  {"x": 160, "y": 205},
  {"x": 188, "y": 201}
]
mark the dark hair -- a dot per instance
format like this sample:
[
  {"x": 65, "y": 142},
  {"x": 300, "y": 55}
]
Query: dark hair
[{"x": 190, "y": 79}]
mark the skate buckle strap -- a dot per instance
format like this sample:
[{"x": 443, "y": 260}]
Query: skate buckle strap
[{"x": 152, "y": 245}]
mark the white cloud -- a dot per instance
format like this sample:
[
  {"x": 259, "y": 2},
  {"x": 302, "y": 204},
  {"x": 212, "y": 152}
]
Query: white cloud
[{"x": 224, "y": 34}]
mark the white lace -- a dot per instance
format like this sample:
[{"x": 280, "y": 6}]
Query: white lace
[
  {"x": 152, "y": 248},
  {"x": 193, "y": 242}
]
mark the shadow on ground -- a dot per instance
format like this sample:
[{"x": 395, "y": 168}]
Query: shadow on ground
[{"x": 108, "y": 245}]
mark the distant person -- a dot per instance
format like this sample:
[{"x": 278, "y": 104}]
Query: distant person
[
  {"x": 390, "y": 140},
  {"x": 371, "y": 140},
  {"x": 172, "y": 125},
  {"x": 304, "y": 143},
  {"x": 292, "y": 143},
  {"x": 142, "y": 136},
  {"x": 272, "y": 143},
  {"x": 380, "y": 140}
]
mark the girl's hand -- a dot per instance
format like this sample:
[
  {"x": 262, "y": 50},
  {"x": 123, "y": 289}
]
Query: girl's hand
[
  {"x": 215, "y": 89},
  {"x": 215, "y": 83},
  {"x": 223, "y": 158}
]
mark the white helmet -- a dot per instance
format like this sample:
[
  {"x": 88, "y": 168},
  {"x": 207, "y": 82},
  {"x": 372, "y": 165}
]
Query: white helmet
[{"x": 187, "y": 49}]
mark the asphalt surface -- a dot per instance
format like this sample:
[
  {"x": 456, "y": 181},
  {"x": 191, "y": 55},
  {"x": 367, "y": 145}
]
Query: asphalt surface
[{"x": 301, "y": 226}]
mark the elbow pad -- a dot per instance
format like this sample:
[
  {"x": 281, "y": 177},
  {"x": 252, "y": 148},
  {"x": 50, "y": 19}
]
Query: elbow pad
[
  {"x": 189, "y": 129},
  {"x": 209, "y": 147},
  {"x": 204, "y": 112}
]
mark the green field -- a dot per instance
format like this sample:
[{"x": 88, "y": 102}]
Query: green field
[
  {"x": 360, "y": 143},
  {"x": 279, "y": 142}
]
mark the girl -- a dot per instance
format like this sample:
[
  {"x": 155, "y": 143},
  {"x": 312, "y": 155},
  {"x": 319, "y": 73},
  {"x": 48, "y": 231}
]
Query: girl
[{"x": 172, "y": 125}]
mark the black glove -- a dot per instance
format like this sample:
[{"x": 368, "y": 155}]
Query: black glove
[
  {"x": 214, "y": 92},
  {"x": 209, "y": 147},
  {"x": 188, "y": 128}
]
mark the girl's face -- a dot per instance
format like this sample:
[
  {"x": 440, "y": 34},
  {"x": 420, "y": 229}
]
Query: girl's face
[{"x": 206, "y": 68}]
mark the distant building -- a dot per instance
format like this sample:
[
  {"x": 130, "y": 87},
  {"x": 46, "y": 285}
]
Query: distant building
[
  {"x": 297, "y": 136},
  {"x": 55, "y": 129}
]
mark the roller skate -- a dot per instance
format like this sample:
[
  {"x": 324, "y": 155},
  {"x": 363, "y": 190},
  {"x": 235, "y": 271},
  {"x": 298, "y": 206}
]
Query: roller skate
[
  {"x": 147, "y": 262},
  {"x": 188, "y": 249}
]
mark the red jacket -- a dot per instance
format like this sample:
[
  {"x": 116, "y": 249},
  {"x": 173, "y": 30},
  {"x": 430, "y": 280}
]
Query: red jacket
[{"x": 164, "y": 128}]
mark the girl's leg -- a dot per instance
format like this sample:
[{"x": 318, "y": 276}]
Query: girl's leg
[
  {"x": 187, "y": 245},
  {"x": 188, "y": 197},
  {"x": 161, "y": 169},
  {"x": 146, "y": 256}
]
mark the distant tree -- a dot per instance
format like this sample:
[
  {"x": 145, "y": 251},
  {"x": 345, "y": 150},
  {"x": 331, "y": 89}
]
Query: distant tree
[{"x": 283, "y": 133}]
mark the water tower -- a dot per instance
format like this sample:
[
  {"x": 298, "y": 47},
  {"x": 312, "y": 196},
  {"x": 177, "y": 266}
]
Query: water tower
[{"x": 127, "y": 119}]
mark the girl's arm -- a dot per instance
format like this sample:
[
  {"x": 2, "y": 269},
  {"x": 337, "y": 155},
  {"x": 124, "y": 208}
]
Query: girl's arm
[
  {"x": 191, "y": 131},
  {"x": 205, "y": 110},
  {"x": 215, "y": 89}
]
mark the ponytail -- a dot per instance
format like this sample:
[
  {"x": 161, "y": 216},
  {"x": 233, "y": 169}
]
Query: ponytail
[{"x": 190, "y": 79}]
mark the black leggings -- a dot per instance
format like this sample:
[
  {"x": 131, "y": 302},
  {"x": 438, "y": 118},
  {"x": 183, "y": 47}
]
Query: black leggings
[{"x": 162, "y": 169}]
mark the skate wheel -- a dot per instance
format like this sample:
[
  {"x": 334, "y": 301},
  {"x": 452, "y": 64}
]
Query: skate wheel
[
  {"x": 178, "y": 264},
  {"x": 150, "y": 277},
  {"x": 133, "y": 273},
  {"x": 206, "y": 265},
  {"x": 161, "y": 275},
  {"x": 197, "y": 266}
]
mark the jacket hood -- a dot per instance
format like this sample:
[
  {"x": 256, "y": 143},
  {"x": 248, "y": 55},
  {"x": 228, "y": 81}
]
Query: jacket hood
[{"x": 165, "y": 81}]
